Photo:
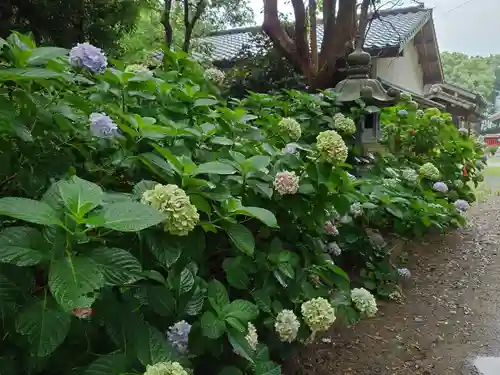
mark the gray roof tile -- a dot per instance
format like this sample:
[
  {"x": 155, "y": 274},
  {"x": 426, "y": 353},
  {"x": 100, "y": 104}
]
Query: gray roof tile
[{"x": 392, "y": 29}]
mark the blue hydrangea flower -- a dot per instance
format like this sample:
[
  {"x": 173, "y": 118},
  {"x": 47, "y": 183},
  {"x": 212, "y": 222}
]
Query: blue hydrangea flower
[
  {"x": 290, "y": 148},
  {"x": 85, "y": 55},
  {"x": 484, "y": 158},
  {"x": 178, "y": 335},
  {"x": 402, "y": 113},
  {"x": 404, "y": 273},
  {"x": 440, "y": 186},
  {"x": 461, "y": 205},
  {"x": 102, "y": 126}
]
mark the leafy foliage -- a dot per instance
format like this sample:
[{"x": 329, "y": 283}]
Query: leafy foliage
[{"x": 93, "y": 281}]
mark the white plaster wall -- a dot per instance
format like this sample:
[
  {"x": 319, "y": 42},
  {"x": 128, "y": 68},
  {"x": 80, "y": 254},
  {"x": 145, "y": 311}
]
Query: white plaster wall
[{"x": 403, "y": 71}]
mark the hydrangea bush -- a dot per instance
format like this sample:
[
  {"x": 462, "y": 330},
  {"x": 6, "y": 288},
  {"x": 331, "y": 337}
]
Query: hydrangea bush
[{"x": 148, "y": 226}]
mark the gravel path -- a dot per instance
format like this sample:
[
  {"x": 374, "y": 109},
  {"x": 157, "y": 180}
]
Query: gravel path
[{"x": 449, "y": 324}]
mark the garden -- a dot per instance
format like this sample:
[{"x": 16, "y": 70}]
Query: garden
[{"x": 150, "y": 224}]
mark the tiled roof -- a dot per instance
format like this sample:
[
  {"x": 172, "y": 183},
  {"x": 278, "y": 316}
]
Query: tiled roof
[{"x": 392, "y": 29}]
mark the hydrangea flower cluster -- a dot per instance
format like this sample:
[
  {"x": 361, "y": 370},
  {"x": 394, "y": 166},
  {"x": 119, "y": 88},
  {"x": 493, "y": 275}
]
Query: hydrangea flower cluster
[
  {"x": 286, "y": 183},
  {"x": 330, "y": 228},
  {"x": 318, "y": 314},
  {"x": 364, "y": 301},
  {"x": 181, "y": 215},
  {"x": 331, "y": 146},
  {"x": 356, "y": 209},
  {"x": 85, "y": 55},
  {"x": 390, "y": 182},
  {"x": 138, "y": 69},
  {"x": 334, "y": 249},
  {"x": 102, "y": 126},
  {"x": 428, "y": 170},
  {"x": 344, "y": 124},
  {"x": 291, "y": 127},
  {"x": 420, "y": 113},
  {"x": 405, "y": 96},
  {"x": 413, "y": 105},
  {"x": 436, "y": 119},
  {"x": 404, "y": 273},
  {"x": 463, "y": 131},
  {"x": 215, "y": 75},
  {"x": 402, "y": 113},
  {"x": 410, "y": 175},
  {"x": 441, "y": 187},
  {"x": 252, "y": 337},
  {"x": 165, "y": 368},
  {"x": 459, "y": 184},
  {"x": 178, "y": 335},
  {"x": 461, "y": 205},
  {"x": 480, "y": 165},
  {"x": 287, "y": 325},
  {"x": 290, "y": 148}
]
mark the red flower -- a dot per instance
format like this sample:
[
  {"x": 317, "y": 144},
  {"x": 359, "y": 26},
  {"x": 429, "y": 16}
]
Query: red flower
[
  {"x": 465, "y": 171},
  {"x": 83, "y": 313},
  {"x": 412, "y": 131}
]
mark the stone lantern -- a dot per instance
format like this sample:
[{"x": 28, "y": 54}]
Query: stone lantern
[{"x": 359, "y": 86}]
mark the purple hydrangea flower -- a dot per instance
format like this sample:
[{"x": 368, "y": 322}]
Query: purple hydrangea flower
[
  {"x": 461, "y": 205},
  {"x": 102, "y": 126},
  {"x": 402, "y": 113},
  {"x": 404, "y": 273},
  {"x": 178, "y": 335},
  {"x": 85, "y": 55},
  {"x": 484, "y": 158},
  {"x": 290, "y": 148},
  {"x": 441, "y": 187}
]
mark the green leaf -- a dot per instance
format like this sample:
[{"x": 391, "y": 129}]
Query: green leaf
[
  {"x": 241, "y": 237},
  {"x": 204, "y": 102},
  {"x": 171, "y": 158},
  {"x": 143, "y": 186},
  {"x": 118, "y": 266},
  {"x": 108, "y": 364},
  {"x": 217, "y": 295},
  {"x": 186, "y": 281},
  {"x": 195, "y": 303},
  {"x": 214, "y": 167},
  {"x": 41, "y": 55},
  {"x": 161, "y": 300},
  {"x": 211, "y": 326},
  {"x": 21, "y": 246},
  {"x": 45, "y": 326},
  {"x": 152, "y": 347},
  {"x": 80, "y": 196},
  {"x": 256, "y": 163},
  {"x": 242, "y": 310},
  {"x": 267, "y": 368},
  {"x": 73, "y": 279},
  {"x": 266, "y": 216},
  {"x": 235, "y": 273},
  {"x": 29, "y": 210},
  {"x": 231, "y": 371},
  {"x": 129, "y": 216},
  {"x": 28, "y": 74},
  {"x": 240, "y": 344},
  {"x": 222, "y": 141},
  {"x": 395, "y": 211}
]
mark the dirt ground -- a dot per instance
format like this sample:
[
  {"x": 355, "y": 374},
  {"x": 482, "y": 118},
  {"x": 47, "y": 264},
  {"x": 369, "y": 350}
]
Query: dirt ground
[{"x": 449, "y": 323}]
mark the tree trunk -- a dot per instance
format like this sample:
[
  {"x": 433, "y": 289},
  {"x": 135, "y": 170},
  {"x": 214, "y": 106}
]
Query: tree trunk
[
  {"x": 169, "y": 35},
  {"x": 313, "y": 36},
  {"x": 190, "y": 24}
]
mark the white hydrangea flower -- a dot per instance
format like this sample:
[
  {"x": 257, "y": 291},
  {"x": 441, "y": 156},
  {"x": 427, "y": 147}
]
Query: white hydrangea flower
[
  {"x": 182, "y": 216},
  {"x": 252, "y": 337},
  {"x": 290, "y": 127},
  {"x": 215, "y": 75},
  {"x": 318, "y": 314},
  {"x": 364, "y": 301},
  {"x": 390, "y": 182},
  {"x": 356, "y": 209},
  {"x": 287, "y": 325},
  {"x": 331, "y": 146},
  {"x": 165, "y": 368},
  {"x": 286, "y": 183},
  {"x": 344, "y": 124},
  {"x": 428, "y": 170},
  {"x": 461, "y": 205},
  {"x": 410, "y": 175},
  {"x": 138, "y": 69},
  {"x": 334, "y": 249}
]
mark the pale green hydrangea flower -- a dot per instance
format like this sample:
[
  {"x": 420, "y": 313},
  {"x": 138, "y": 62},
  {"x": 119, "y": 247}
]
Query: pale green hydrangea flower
[
  {"x": 390, "y": 182},
  {"x": 215, "y": 75},
  {"x": 410, "y": 175},
  {"x": 165, "y": 368},
  {"x": 459, "y": 184},
  {"x": 428, "y": 170},
  {"x": 252, "y": 337},
  {"x": 318, "y": 314},
  {"x": 364, "y": 301},
  {"x": 182, "y": 216},
  {"x": 138, "y": 69},
  {"x": 290, "y": 127},
  {"x": 287, "y": 325},
  {"x": 344, "y": 124},
  {"x": 331, "y": 146}
]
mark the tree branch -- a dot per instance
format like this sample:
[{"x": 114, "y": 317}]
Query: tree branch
[
  {"x": 301, "y": 29},
  {"x": 189, "y": 24}
]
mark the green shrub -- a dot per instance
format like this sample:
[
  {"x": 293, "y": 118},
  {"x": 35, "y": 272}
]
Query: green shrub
[
  {"x": 492, "y": 150},
  {"x": 191, "y": 218}
]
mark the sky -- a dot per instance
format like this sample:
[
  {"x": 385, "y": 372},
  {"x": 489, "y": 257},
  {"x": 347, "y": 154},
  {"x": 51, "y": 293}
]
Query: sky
[{"x": 468, "y": 26}]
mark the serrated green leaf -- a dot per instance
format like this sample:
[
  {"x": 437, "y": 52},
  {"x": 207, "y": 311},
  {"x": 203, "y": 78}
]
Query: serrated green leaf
[
  {"x": 80, "y": 196},
  {"x": 241, "y": 309},
  {"x": 152, "y": 346},
  {"x": 118, "y": 266},
  {"x": 266, "y": 216},
  {"x": 29, "y": 210},
  {"x": 267, "y": 368},
  {"x": 161, "y": 300},
  {"x": 108, "y": 364},
  {"x": 204, "y": 102},
  {"x": 231, "y": 371},
  {"x": 45, "y": 325},
  {"x": 72, "y": 281},
  {"x": 129, "y": 216},
  {"x": 217, "y": 295},
  {"x": 211, "y": 326},
  {"x": 240, "y": 344},
  {"x": 166, "y": 248},
  {"x": 241, "y": 237},
  {"x": 235, "y": 273},
  {"x": 195, "y": 303},
  {"x": 214, "y": 167},
  {"x": 186, "y": 281},
  {"x": 21, "y": 246},
  {"x": 143, "y": 186}
]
